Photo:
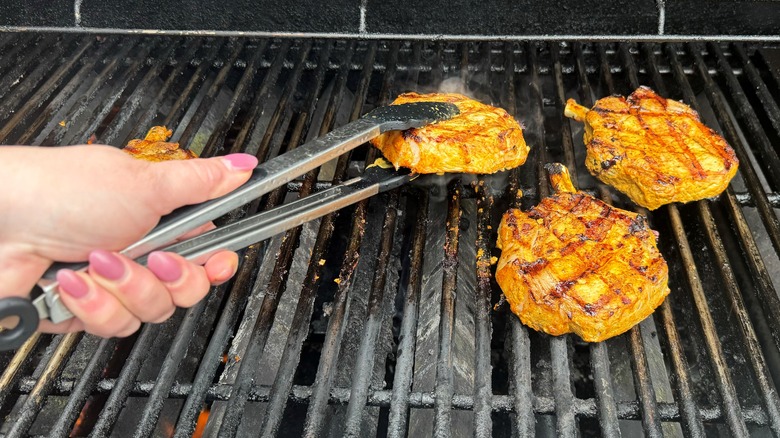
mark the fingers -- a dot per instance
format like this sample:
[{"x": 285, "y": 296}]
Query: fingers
[
  {"x": 100, "y": 311},
  {"x": 188, "y": 182},
  {"x": 116, "y": 294},
  {"x": 221, "y": 266},
  {"x": 186, "y": 282}
]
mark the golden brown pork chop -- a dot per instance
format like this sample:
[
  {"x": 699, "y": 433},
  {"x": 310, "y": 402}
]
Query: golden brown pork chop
[
  {"x": 575, "y": 264},
  {"x": 481, "y": 139},
  {"x": 655, "y": 150}
]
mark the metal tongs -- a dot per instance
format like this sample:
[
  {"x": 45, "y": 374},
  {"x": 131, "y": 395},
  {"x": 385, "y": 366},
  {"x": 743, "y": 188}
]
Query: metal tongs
[{"x": 44, "y": 301}]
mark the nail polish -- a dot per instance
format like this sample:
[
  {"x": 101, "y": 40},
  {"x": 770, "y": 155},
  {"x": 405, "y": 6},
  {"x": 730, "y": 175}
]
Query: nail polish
[
  {"x": 165, "y": 267},
  {"x": 106, "y": 264},
  {"x": 240, "y": 162},
  {"x": 72, "y": 284}
]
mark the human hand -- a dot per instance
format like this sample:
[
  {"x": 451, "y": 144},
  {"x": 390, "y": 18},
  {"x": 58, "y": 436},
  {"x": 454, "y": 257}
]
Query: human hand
[{"x": 80, "y": 203}]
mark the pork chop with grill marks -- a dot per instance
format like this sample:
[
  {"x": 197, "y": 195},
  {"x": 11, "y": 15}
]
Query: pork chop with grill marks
[
  {"x": 575, "y": 264},
  {"x": 655, "y": 150},
  {"x": 481, "y": 139}
]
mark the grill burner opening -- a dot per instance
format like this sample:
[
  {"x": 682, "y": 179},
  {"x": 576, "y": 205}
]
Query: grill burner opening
[{"x": 380, "y": 319}]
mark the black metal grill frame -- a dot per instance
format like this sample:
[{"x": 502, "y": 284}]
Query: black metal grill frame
[{"x": 102, "y": 85}]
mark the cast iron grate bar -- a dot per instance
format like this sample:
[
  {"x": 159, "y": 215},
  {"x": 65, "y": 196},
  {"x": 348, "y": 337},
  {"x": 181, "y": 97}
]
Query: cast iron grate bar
[
  {"x": 135, "y": 101},
  {"x": 303, "y": 311},
  {"x": 746, "y": 115},
  {"x": 444, "y": 374},
  {"x": 21, "y": 358},
  {"x": 770, "y": 219},
  {"x": 764, "y": 95},
  {"x": 21, "y": 87},
  {"x": 364, "y": 362},
  {"x": 269, "y": 146},
  {"x": 58, "y": 130},
  {"x": 400, "y": 395},
  {"x": 170, "y": 366},
  {"x": 37, "y": 395},
  {"x": 211, "y": 358},
  {"x": 262, "y": 327},
  {"x": 10, "y": 104},
  {"x": 517, "y": 342},
  {"x": 226, "y": 324},
  {"x": 626, "y": 410},
  {"x": 365, "y": 356},
  {"x": 83, "y": 388},
  {"x": 60, "y": 100},
  {"x": 23, "y": 52},
  {"x": 681, "y": 376},
  {"x": 315, "y": 415},
  {"x": 482, "y": 326}
]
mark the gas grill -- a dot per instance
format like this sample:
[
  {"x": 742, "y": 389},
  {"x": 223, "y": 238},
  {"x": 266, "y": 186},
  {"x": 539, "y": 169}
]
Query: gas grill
[{"x": 383, "y": 319}]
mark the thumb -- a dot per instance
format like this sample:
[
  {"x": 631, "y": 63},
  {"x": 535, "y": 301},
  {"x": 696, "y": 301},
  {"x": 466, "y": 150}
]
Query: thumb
[{"x": 185, "y": 182}]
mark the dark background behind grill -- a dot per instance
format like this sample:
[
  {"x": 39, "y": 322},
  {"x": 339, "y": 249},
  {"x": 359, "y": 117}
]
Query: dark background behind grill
[{"x": 457, "y": 17}]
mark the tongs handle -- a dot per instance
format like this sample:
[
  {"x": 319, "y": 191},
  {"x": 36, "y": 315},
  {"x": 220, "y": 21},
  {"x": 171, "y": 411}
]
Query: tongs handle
[
  {"x": 263, "y": 225},
  {"x": 266, "y": 177}
]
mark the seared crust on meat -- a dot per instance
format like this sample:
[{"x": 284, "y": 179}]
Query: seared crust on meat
[
  {"x": 575, "y": 264},
  {"x": 154, "y": 147},
  {"x": 655, "y": 150},
  {"x": 481, "y": 139}
]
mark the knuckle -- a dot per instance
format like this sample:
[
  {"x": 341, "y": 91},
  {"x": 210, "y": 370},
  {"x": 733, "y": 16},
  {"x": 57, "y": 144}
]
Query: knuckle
[
  {"x": 131, "y": 328},
  {"x": 191, "y": 296},
  {"x": 97, "y": 329},
  {"x": 107, "y": 323},
  {"x": 102, "y": 321},
  {"x": 208, "y": 174},
  {"x": 163, "y": 315}
]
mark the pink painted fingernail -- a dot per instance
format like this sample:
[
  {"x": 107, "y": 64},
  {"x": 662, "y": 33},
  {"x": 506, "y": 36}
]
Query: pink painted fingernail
[
  {"x": 71, "y": 283},
  {"x": 240, "y": 162},
  {"x": 106, "y": 264},
  {"x": 165, "y": 267}
]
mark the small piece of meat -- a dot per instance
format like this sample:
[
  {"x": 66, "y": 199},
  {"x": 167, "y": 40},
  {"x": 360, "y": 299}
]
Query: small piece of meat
[
  {"x": 575, "y": 264},
  {"x": 481, "y": 139},
  {"x": 154, "y": 147},
  {"x": 655, "y": 150}
]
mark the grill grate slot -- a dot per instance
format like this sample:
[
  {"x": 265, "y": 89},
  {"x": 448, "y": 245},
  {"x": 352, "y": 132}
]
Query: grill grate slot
[{"x": 406, "y": 342}]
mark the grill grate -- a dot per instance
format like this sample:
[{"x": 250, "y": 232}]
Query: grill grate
[{"x": 379, "y": 320}]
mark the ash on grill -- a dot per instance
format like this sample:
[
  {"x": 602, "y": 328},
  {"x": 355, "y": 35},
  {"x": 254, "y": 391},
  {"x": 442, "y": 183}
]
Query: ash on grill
[{"x": 379, "y": 319}]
